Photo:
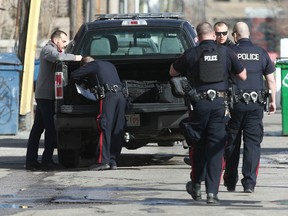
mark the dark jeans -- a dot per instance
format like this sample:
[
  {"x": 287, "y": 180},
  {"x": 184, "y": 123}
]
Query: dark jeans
[{"x": 44, "y": 120}]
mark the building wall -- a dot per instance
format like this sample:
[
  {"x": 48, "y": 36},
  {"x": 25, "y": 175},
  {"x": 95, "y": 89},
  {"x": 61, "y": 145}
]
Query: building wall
[
  {"x": 212, "y": 11},
  {"x": 217, "y": 10}
]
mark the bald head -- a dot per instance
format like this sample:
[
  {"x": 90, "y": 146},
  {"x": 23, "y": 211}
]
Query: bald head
[
  {"x": 242, "y": 30},
  {"x": 205, "y": 31}
]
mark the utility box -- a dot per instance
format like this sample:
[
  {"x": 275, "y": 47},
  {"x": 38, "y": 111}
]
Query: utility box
[
  {"x": 283, "y": 64},
  {"x": 10, "y": 69}
]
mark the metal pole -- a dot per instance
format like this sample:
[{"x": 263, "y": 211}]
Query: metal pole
[
  {"x": 73, "y": 21},
  {"x": 92, "y": 10}
]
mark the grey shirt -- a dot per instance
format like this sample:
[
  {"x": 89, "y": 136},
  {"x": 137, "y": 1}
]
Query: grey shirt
[{"x": 45, "y": 81}]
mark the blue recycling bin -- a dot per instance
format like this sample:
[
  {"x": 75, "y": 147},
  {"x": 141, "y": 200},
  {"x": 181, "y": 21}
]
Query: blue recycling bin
[
  {"x": 36, "y": 69},
  {"x": 10, "y": 69},
  {"x": 36, "y": 72}
]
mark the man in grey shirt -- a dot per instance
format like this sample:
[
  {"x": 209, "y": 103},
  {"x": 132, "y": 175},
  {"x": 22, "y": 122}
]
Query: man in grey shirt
[{"x": 45, "y": 98}]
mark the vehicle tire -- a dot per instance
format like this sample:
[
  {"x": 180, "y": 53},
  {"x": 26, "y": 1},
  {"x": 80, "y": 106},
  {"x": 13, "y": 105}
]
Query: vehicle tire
[
  {"x": 166, "y": 143},
  {"x": 69, "y": 158},
  {"x": 89, "y": 145}
]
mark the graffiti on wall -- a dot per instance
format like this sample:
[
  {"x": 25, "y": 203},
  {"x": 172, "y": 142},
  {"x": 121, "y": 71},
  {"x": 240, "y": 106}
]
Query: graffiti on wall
[{"x": 6, "y": 99}]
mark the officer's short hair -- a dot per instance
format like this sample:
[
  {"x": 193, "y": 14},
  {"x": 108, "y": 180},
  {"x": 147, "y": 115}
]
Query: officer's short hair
[
  {"x": 86, "y": 60},
  {"x": 57, "y": 34},
  {"x": 204, "y": 28},
  {"x": 220, "y": 23}
]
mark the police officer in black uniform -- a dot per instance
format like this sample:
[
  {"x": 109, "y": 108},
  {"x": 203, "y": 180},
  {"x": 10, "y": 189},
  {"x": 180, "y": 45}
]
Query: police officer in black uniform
[
  {"x": 247, "y": 113},
  {"x": 222, "y": 32},
  {"x": 207, "y": 67},
  {"x": 106, "y": 84}
]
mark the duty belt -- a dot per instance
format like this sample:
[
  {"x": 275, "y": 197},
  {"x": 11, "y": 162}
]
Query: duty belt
[
  {"x": 251, "y": 97},
  {"x": 101, "y": 90},
  {"x": 211, "y": 94},
  {"x": 112, "y": 88}
]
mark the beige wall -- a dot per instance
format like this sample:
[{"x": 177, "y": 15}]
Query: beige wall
[{"x": 234, "y": 9}]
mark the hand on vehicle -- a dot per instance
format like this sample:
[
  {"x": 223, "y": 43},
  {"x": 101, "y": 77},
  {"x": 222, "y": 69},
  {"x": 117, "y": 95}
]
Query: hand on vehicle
[{"x": 78, "y": 57}]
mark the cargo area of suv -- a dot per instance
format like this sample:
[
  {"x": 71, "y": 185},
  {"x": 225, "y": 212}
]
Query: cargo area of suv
[{"x": 142, "y": 47}]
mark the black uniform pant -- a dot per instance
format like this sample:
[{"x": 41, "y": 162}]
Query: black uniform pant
[
  {"x": 111, "y": 123},
  {"x": 44, "y": 120},
  {"x": 208, "y": 119},
  {"x": 247, "y": 121}
]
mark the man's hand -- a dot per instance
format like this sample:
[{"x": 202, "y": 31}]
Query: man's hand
[
  {"x": 272, "y": 108},
  {"x": 172, "y": 71},
  {"x": 78, "y": 57}
]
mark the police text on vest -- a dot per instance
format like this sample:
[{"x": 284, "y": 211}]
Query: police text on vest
[{"x": 211, "y": 58}]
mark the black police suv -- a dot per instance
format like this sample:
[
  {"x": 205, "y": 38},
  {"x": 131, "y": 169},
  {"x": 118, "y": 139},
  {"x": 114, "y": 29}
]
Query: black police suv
[{"x": 142, "y": 47}]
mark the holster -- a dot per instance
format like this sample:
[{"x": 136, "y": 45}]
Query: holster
[{"x": 189, "y": 131}]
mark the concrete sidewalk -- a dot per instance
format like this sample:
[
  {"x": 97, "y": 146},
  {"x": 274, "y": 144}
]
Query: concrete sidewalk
[{"x": 270, "y": 196}]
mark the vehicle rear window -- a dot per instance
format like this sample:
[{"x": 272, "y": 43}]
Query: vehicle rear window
[{"x": 136, "y": 42}]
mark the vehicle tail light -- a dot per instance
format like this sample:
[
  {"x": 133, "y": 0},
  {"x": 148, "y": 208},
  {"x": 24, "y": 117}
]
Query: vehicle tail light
[{"x": 59, "y": 85}]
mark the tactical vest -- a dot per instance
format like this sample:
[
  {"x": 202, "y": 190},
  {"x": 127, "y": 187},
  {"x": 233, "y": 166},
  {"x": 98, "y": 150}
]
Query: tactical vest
[{"x": 211, "y": 64}]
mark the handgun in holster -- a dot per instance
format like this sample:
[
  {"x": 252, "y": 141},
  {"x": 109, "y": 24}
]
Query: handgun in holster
[
  {"x": 267, "y": 99},
  {"x": 95, "y": 92},
  {"x": 190, "y": 92},
  {"x": 101, "y": 91},
  {"x": 230, "y": 99}
]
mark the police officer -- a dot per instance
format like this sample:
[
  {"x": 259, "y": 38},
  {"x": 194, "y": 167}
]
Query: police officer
[
  {"x": 103, "y": 76},
  {"x": 247, "y": 114},
  {"x": 207, "y": 67},
  {"x": 222, "y": 32}
]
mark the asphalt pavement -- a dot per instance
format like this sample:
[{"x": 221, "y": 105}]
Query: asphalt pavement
[{"x": 157, "y": 189}]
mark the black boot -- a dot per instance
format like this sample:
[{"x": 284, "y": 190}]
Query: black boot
[
  {"x": 212, "y": 198},
  {"x": 194, "y": 189}
]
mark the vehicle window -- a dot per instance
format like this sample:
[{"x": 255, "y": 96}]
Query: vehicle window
[{"x": 134, "y": 42}]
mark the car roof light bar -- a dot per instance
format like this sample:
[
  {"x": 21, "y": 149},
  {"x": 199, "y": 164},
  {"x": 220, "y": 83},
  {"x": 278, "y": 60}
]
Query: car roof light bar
[{"x": 174, "y": 15}]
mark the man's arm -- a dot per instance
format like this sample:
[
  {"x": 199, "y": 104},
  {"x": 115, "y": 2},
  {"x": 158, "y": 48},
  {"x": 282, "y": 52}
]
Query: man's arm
[
  {"x": 50, "y": 53},
  {"x": 271, "y": 82},
  {"x": 242, "y": 75},
  {"x": 237, "y": 67},
  {"x": 83, "y": 71},
  {"x": 172, "y": 71}
]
